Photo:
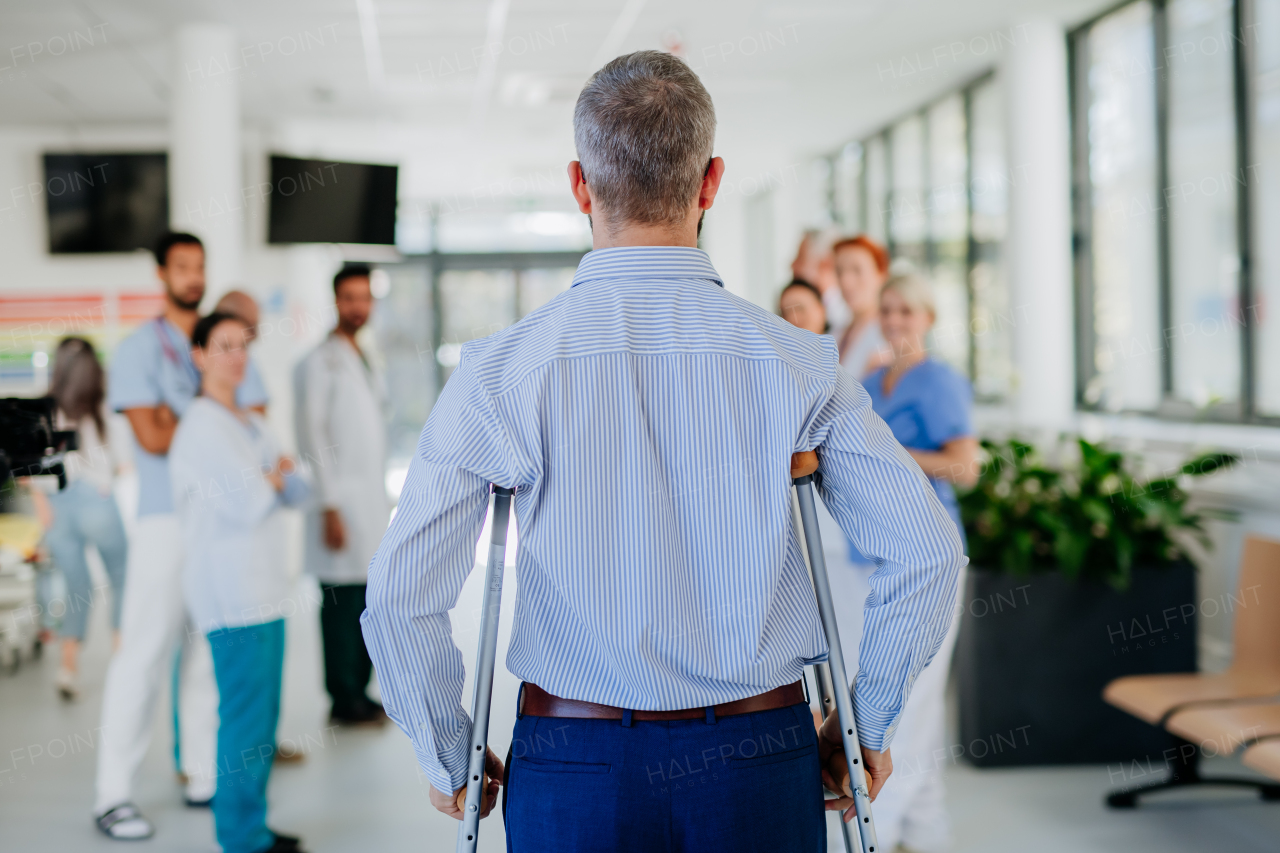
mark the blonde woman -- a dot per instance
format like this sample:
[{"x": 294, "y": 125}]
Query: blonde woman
[{"x": 925, "y": 402}]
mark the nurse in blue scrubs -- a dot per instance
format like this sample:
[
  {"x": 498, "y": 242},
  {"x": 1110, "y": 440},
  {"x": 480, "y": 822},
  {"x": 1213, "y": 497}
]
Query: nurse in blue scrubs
[
  {"x": 927, "y": 405},
  {"x": 925, "y": 402}
]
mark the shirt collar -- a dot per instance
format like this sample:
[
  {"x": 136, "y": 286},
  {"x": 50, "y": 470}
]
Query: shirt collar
[{"x": 646, "y": 262}]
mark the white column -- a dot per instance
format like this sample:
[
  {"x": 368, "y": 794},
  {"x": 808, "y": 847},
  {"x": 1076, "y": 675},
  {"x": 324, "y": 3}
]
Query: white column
[
  {"x": 1039, "y": 243},
  {"x": 204, "y": 149}
]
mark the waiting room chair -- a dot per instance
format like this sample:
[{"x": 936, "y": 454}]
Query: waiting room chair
[
  {"x": 1221, "y": 730},
  {"x": 1264, "y": 757},
  {"x": 1192, "y": 698}
]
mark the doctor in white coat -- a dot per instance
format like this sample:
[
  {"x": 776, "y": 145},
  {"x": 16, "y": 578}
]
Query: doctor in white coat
[{"x": 342, "y": 438}]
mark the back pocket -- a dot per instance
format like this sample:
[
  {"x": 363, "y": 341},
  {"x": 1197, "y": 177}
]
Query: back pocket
[
  {"x": 773, "y": 757},
  {"x": 541, "y": 765}
]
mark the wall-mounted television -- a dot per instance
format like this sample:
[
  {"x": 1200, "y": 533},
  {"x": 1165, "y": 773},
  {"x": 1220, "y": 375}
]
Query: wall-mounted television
[
  {"x": 322, "y": 201},
  {"x": 106, "y": 202}
]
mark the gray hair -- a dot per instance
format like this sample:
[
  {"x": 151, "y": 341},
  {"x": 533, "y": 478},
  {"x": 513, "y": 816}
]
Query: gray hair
[{"x": 644, "y": 127}]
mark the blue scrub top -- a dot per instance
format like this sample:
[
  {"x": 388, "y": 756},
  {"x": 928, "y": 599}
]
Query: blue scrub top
[
  {"x": 931, "y": 405},
  {"x": 153, "y": 366}
]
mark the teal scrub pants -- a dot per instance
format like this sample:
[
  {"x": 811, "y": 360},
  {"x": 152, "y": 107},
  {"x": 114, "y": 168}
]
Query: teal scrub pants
[{"x": 247, "y": 663}]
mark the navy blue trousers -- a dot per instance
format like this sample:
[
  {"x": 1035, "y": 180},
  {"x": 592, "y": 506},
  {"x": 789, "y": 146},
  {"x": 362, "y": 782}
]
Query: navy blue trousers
[{"x": 742, "y": 783}]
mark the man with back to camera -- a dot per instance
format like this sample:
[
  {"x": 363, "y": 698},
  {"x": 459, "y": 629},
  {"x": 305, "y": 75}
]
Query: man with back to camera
[
  {"x": 339, "y": 416},
  {"x": 152, "y": 381},
  {"x": 646, "y": 418}
]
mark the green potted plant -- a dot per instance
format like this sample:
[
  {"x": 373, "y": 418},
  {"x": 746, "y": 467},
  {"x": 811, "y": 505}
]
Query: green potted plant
[{"x": 1076, "y": 576}]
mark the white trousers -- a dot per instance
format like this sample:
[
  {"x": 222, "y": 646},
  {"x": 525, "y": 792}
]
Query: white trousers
[
  {"x": 911, "y": 809},
  {"x": 153, "y": 626}
]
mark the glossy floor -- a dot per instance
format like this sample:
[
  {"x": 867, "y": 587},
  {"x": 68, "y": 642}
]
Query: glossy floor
[{"x": 361, "y": 790}]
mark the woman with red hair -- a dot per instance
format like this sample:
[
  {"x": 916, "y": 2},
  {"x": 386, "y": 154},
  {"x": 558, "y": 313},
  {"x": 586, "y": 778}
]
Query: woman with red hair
[{"x": 862, "y": 268}]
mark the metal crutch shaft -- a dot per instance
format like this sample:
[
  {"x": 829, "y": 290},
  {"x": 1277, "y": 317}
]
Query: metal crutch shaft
[
  {"x": 826, "y": 694},
  {"x": 482, "y": 690},
  {"x": 821, "y": 671},
  {"x": 826, "y": 611}
]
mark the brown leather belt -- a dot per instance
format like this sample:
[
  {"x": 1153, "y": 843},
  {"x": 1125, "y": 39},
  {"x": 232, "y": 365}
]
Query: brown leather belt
[{"x": 537, "y": 702}]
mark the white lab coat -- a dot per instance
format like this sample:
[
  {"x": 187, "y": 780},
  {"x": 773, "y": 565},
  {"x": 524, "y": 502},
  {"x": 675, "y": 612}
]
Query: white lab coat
[
  {"x": 339, "y": 416},
  {"x": 233, "y": 533}
]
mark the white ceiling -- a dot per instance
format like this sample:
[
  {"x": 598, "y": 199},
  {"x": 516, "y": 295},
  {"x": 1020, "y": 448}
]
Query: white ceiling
[{"x": 411, "y": 81}]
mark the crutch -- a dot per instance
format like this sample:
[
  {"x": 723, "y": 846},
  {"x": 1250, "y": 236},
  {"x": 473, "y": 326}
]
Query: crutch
[
  {"x": 826, "y": 698},
  {"x": 832, "y": 682},
  {"x": 482, "y": 690},
  {"x": 822, "y": 671}
]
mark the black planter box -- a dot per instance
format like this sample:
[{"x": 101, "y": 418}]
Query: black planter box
[{"x": 1035, "y": 651}]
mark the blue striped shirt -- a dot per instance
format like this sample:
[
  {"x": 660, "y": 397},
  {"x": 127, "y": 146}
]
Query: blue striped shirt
[{"x": 647, "y": 418}]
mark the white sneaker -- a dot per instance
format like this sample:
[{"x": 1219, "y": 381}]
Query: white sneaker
[
  {"x": 66, "y": 683},
  {"x": 124, "y": 822}
]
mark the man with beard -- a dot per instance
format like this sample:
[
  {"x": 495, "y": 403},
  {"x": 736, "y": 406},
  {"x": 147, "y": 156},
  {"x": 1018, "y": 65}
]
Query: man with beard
[
  {"x": 341, "y": 425},
  {"x": 152, "y": 381}
]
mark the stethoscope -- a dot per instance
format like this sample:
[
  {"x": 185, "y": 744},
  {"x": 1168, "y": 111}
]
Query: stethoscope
[{"x": 172, "y": 354}]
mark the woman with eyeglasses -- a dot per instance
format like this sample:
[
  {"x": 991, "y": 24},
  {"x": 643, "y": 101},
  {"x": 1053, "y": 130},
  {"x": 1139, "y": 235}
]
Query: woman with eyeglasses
[{"x": 230, "y": 485}]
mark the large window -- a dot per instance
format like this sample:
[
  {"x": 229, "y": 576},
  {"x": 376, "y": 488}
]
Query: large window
[
  {"x": 474, "y": 264},
  {"x": 1176, "y": 107},
  {"x": 934, "y": 187},
  {"x": 436, "y": 303},
  {"x": 1264, "y": 178},
  {"x": 989, "y": 205},
  {"x": 874, "y": 190},
  {"x": 1122, "y": 346}
]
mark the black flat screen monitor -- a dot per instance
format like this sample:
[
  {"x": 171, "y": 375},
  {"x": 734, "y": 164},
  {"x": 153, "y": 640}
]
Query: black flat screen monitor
[
  {"x": 320, "y": 201},
  {"x": 105, "y": 202}
]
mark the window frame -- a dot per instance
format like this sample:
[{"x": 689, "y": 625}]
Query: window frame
[
  {"x": 883, "y": 207},
  {"x": 1244, "y": 103}
]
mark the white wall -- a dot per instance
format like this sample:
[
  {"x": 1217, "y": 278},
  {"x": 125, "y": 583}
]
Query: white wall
[
  {"x": 291, "y": 283},
  {"x": 724, "y": 237},
  {"x": 23, "y": 235}
]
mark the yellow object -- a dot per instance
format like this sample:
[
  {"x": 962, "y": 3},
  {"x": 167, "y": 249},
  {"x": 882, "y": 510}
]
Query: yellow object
[{"x": 20, "y": 533}]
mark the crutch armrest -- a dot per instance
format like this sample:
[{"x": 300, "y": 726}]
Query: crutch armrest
[{"x": 803, "y": 464}]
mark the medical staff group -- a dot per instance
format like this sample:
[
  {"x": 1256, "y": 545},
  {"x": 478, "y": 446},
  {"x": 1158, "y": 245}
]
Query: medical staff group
[{"x": 206, "y": 577}]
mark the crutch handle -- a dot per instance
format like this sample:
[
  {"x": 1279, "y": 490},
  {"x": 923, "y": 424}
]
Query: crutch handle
[{"x": 803, "y": 464}]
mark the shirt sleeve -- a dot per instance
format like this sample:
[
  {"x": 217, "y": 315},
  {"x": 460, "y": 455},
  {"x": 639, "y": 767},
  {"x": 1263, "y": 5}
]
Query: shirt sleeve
[
  {"x": 297, "y": 491},
  {"x": 419, "y": 569},
  {"x": 946, "y": 413},
  {"x": 134, "y": 379},
  {"x": 297, "y": 485},
  {"x": 890, "y": 513},
  {"x": 252, "y": 390}
]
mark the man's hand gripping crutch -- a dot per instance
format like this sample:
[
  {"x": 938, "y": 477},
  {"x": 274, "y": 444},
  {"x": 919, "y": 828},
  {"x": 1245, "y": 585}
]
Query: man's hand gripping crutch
[{"x": 843, "y": 758}]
